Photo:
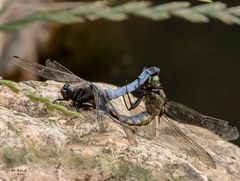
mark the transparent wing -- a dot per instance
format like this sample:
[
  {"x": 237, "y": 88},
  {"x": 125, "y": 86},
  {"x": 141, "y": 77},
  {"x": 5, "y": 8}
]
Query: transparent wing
[
  {"x": 114, "y": 114},
  {"x": 45, "y": 72},
  {"x": 100, "y": 106},
  {"x": 130, "y": 134},
  {"x": 173, "y": 136},
  {"x": 168, "y": 134},
  {"x": 151, "y": 128},
  {"x": 105, "y": 106},
  {"x": 57, "y": 66},
  {"x": 187, "y": 115}
]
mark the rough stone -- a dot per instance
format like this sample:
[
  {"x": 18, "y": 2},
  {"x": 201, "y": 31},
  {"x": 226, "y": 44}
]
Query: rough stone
[{"x": 38, "y": 143}]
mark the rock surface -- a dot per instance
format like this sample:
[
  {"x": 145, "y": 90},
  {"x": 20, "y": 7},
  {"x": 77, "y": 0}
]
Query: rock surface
[{"x": 39, "y": 143}]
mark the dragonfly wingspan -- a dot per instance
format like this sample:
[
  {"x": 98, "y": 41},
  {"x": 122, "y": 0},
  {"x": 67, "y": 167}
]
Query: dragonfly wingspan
[
  {"x": 187, "y": 115},
  {"x": 45, "y": 72},
  {"x": 167, "y": 133},
  {"x": 186, "y": 144}
]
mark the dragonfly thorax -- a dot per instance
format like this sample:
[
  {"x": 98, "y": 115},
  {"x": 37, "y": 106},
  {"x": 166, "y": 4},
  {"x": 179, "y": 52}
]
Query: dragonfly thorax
[
  {"x": 78, "y": 94},
  {"x": 155, "y": 97},
  {"x": 154, "y": 103}
]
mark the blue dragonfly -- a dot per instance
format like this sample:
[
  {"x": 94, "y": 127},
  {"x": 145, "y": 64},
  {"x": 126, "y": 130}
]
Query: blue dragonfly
[{"x": 86, "y": 93}]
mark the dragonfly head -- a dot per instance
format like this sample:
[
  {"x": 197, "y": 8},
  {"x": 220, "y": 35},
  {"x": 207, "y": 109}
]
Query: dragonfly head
[
  {"x": 154, "y": 82},
  {"x": 67, "y": 91}
]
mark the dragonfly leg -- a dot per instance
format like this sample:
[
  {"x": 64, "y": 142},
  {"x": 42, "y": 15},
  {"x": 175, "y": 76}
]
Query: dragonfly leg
[
  {"x": 134, "y": 104},
  {"x": 61, "y": 99},
  {"x": 88, "y": 105},
  {"x": 84, "y": 106}
]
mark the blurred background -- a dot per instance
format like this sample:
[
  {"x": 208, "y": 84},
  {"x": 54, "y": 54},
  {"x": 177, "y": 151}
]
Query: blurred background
[{"x": 199, "y": 63}]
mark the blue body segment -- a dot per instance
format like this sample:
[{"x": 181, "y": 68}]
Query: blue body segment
[
  {"x": 142, "y": 118},
  {"x": 118, "y": 92}
]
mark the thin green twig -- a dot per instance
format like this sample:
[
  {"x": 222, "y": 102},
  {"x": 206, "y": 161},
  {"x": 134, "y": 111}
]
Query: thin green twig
[
  {"x": 11, "y": 85},
  {"x": 95, "y": 10}
]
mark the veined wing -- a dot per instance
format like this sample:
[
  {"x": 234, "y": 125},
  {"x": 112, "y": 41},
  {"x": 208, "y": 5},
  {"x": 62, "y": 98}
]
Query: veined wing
[
  {"x": 113, "y": 113},
  {"x": 187, "y": 115},
  {"x": 100, "y": 106},
  {"x": 185, "y": 143},
  {"x": 104, "y": 105},
  {"x": 169, "y": 134},
  {"x": 45, "y": 72},
  {"x": 57, "y": 66},
  {"x": 130, "y": 134},
  {"x": 147, "y": 131}
]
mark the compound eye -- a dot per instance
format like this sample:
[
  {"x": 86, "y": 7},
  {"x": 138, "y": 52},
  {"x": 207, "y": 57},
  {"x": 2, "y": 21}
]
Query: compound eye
[
  {"x": 64, "y": 93},
  {"x": 155, "y": 78},
  {"x": 65, "y": 87},
  {"x": 67, "y": 91},
  {"x": 155, "y": 81}
]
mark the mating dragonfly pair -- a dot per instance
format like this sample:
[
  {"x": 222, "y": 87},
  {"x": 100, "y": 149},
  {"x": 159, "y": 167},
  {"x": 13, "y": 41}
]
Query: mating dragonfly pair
[{"x": 89, "y": 95}]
